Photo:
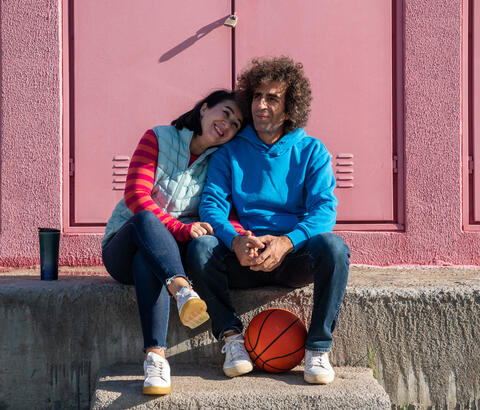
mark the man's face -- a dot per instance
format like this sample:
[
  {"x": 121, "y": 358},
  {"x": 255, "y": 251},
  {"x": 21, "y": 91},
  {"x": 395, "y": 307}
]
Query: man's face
[{"x": 268, "y": 110}]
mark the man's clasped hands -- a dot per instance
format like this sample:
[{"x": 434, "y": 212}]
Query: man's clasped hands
[{"x": 261, "y": 253}]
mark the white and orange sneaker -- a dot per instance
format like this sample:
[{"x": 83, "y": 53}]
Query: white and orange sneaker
[
  {"x": 157, "y": 375},
  {"x": 192, "y": 309}
]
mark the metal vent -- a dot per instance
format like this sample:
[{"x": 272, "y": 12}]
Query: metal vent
[
  {"x": 344, "y": 170},
  {"x": 120, "y": 171}
]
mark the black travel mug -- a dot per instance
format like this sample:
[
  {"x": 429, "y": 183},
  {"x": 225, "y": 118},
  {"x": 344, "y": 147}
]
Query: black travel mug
[{"x": 49, "y": 243}]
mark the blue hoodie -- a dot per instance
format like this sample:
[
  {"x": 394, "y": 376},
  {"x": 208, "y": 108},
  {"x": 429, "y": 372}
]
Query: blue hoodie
[{"x": 282, "y": 189}]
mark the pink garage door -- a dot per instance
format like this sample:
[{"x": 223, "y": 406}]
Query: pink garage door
[
  {"x": 346, "y": 49},
  {"x": 475, "y": 101},
  {"x": 133, "y": 65}
]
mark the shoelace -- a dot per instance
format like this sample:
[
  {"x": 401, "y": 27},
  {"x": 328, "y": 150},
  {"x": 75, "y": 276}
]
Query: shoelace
[
  {"x": 232, "y": 347},
  {"x": 320, "y": 360},
  {"x": 184, "y": 294},
  {"x": 155, "y": 369}
]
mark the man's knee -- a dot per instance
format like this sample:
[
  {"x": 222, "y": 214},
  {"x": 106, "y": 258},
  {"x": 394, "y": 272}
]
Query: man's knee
[
  {"x": 329, "y": 247},
  {"x": 200, "y": 251}
]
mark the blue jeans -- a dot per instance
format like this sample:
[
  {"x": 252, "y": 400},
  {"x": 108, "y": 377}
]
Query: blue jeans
[
  {"x": 145, "y": 254},
  {"x": 324, "y": 260}
]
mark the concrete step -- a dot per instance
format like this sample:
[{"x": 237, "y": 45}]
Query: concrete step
[
  {"x": 194, "y": 387},
  {"x": 417, "y": 327}
]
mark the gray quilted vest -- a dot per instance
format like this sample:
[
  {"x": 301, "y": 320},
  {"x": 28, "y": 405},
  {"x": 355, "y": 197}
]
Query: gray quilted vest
[{"x": 177, "y": 188}]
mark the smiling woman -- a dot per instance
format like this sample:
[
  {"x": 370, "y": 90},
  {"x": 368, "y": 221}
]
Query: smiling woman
[
  {"x": 219, "y": 125},
  {"x": 146, "y": 235}
]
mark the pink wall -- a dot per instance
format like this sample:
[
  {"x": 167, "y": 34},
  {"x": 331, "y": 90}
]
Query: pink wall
[
  {"x": 30, "y": 144},
  {"x": 433, "y": 146},
  {"x": 31, "y": 141}
]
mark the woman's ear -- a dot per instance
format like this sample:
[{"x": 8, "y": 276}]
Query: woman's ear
[{"x": 203, "y": 108}]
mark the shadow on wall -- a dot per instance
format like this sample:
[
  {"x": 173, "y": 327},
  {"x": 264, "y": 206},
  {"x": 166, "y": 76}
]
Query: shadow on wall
[{"x": 202, "y": 32}]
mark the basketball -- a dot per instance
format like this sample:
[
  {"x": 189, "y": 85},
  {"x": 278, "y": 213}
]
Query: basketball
[{"x": 275, "y": 340}]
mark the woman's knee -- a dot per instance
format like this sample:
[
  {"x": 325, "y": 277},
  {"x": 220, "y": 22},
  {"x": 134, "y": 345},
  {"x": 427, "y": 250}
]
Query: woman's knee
[
  {"x": 149, "y": 231},
  {"x": 119, "y": 268},
  {"x": 145, "y": 217}
]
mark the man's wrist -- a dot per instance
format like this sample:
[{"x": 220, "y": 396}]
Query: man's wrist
[
  {"x": 288, "y": 243},
  {"x": 235, "y": 241},
  {"x": 298, "y": 238}
]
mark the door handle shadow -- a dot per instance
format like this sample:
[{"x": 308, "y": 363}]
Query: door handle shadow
[{"x": 202, "y": 32}]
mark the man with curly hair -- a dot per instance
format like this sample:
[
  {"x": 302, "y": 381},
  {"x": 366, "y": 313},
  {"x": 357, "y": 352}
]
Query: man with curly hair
[{"x": 280, "y": 182}]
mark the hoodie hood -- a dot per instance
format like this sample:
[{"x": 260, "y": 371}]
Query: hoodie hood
[{"x": 282, "y": 146}]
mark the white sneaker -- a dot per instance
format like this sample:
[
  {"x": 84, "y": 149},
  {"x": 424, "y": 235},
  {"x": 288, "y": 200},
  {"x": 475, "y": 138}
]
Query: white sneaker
[
  {"x": 192, "y": 309},
  {"x": 237, "y": 360},
  {"x": 157, "y": 375},
  {"x": 317, "y": 368}
]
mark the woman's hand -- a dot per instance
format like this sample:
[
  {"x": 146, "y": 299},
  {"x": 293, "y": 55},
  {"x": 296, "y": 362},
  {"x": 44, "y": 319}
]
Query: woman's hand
[{"x": 199, "y": 229}]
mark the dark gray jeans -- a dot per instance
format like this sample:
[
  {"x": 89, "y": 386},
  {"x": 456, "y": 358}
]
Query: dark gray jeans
[{"x": 324, "y": 260}]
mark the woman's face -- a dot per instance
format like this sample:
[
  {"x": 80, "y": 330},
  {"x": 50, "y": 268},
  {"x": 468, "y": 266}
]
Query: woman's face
[{"x": 220, "y": 123}]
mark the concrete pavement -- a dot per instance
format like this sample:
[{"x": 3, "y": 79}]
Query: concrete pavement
[{"x": 195, "y": 387}]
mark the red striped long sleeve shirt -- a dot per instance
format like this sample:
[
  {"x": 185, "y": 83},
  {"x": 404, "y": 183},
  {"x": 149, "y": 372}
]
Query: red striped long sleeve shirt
[{"x": 139, "y": 185}]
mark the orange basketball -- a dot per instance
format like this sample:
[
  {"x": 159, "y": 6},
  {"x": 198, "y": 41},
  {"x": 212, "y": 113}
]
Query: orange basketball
[{"x": 275, "y": 340}]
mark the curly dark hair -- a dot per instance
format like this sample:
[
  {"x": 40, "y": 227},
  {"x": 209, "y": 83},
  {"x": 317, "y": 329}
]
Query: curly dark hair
[{"x": 298, "y": 95}]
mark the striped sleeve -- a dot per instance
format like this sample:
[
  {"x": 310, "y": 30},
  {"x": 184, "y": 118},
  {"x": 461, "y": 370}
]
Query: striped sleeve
[{"x": 139, "y": 185}]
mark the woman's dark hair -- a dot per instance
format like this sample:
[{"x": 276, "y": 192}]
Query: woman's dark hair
[
  {"x": 298, "y": 94},
  {"x": 193, "y": 120}
]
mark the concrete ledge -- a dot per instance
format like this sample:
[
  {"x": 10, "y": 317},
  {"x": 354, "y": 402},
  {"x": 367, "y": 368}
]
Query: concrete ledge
[
  {"x": 423, "y": 323},
  {"x": 206, "y": 387}
]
